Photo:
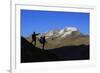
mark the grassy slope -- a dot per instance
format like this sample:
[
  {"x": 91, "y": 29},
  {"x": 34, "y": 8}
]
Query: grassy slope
[{"x": 56, "y": 43}]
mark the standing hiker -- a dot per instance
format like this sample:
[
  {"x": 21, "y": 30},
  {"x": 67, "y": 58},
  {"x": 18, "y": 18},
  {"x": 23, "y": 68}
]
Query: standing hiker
[
  {"x": 34, "y": 38},
  {"x": 42, "y": 41}
]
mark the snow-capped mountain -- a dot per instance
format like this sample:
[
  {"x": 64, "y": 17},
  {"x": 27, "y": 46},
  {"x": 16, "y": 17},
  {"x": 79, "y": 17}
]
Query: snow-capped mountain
[
  {"x": 62, "y": 33},
  {"x": 62, "y": 37}
]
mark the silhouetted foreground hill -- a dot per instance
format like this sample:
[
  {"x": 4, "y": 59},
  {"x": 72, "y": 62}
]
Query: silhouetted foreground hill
[
  {"x": 80, "y": 52},
  {"x": 29, "y": 53}
]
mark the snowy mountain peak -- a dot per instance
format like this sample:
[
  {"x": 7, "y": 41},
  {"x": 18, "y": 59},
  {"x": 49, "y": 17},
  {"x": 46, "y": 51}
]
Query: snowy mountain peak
[
  {"x": 71, "y": 29},
  {"x": 61, "y": 33}
]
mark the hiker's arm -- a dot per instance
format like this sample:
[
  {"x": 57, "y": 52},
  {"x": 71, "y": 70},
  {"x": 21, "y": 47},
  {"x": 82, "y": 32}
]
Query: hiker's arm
[{"x": 38, "y": 34}]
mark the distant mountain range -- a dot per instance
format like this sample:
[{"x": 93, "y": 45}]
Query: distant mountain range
[{"x": 62, "y": 37}]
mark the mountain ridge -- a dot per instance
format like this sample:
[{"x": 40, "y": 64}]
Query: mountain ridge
[{"x": 62, "y": 37}]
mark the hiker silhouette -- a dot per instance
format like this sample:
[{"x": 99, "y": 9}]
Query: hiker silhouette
[
  {"x": 34, "y": 38},
  {"x": 42, "y": 41}
]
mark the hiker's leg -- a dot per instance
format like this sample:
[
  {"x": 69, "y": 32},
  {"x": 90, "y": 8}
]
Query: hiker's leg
[
  {"x": 43, "y": 45},
  {"x": 35, "y": 43}
]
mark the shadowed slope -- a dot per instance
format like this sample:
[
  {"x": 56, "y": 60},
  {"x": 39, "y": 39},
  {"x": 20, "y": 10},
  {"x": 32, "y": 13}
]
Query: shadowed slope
[
  {"x": 29, "y": 53},
  {"x": 80, "y": 52}
]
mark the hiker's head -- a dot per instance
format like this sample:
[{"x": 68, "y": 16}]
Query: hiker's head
[
  {"x": 41, "y": 37},
  {"x": 33, "y": 32}
]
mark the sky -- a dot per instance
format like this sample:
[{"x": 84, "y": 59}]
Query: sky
[{"x": 44, "y": 21}]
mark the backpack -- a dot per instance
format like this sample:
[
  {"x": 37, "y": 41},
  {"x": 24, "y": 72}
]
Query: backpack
[{"x": 41, "y": 40}]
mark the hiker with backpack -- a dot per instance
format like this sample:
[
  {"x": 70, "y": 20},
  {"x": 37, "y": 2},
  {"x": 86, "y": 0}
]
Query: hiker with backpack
[{"x": 42, "y": 41}]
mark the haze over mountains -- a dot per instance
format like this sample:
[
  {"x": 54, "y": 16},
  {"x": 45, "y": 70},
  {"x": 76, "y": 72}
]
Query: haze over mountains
[{"x": 62, "y": 37}]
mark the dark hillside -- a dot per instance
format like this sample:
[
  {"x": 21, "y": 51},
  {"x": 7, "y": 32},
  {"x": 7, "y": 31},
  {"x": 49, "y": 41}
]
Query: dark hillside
[
  {"x": 29, "y": 53},
  {"x": 80, "y": 52}
]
